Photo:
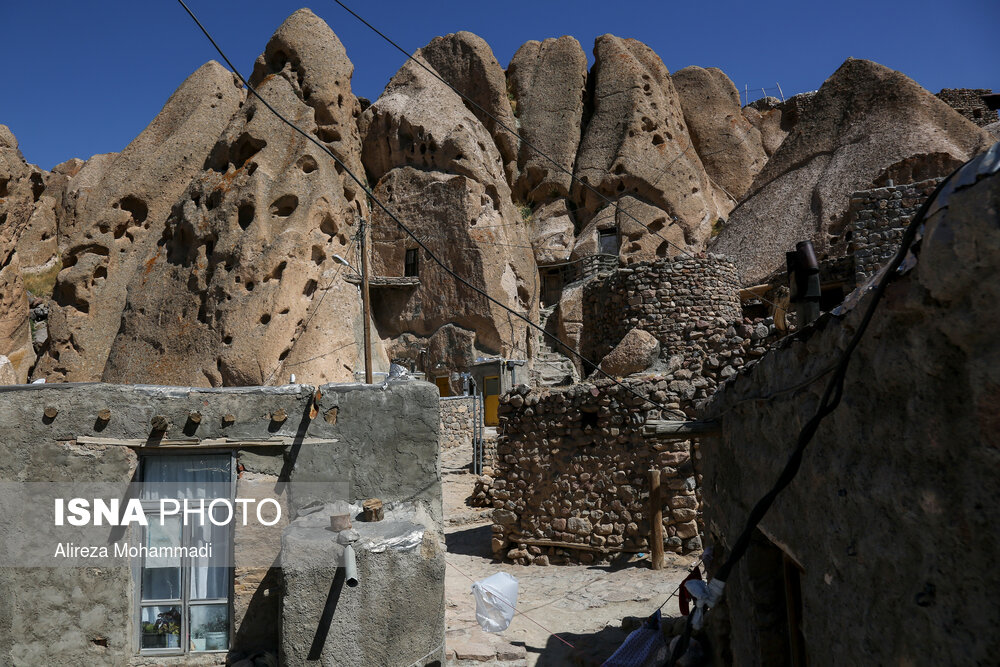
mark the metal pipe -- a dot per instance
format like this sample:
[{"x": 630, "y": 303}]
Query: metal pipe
[{"x": 350, "y": 567}]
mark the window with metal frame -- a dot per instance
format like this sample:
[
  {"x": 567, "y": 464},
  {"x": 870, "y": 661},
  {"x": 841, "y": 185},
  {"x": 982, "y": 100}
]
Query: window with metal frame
[{"x": 184, "y": 604}]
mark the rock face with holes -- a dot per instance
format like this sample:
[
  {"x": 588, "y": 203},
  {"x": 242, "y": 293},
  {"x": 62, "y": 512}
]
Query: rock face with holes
[
  {"x": 110, "y": 225},
  {"x": 453, "y": 215},
  {"x": 729, "y": 146},
  {"x": 637, "y": 143},
  {"x": 866, "y": 124},
  {"x": 243, "y": 288},
  {"x": 547, "y": 81},
  {"x": 20, "y": 184},
  {"x": 467, "y": 62},
  {"x": 437, "y": 168}
]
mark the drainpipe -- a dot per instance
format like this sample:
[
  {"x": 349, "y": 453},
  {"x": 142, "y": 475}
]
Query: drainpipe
[{"x": 350, "y": 567}]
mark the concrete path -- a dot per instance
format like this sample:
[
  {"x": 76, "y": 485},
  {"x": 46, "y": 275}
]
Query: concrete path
[{"x": 584, "y": 605}]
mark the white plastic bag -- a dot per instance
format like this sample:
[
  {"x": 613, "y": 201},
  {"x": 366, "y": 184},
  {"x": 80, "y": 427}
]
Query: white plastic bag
[{"x": 496, "y": 599}]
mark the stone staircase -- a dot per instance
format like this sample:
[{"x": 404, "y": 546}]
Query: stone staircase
[{"x": 552, "y": 368}]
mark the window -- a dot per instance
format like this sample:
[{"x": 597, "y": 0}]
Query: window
[
  {"x": 185, "y": 602},
  {"x": 411, "y": 265},
  {"x": 607, "y": 241}
]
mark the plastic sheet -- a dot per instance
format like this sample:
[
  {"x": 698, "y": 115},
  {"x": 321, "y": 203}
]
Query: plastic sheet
[{"x": 496, "y": 599}]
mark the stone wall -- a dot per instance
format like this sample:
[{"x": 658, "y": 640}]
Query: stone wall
[
  {"x": 667, "y": 298},
  {"x": 384, "y": 443},
  {"x": 878, "y": 219},
  {"x": 572, "y": 479},
  {"x": 895, "y": 483},
  {"x": 457, "y": 421},
  {"x": 969, "y": 103}
]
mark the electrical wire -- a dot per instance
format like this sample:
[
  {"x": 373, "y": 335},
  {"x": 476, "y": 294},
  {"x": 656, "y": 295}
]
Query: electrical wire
[
  {"x": 524, "y": 142},
  {"x": 828, "y": 403},
  {"x": 394, "y": 218},
  {"x": 305, "y": 325}
]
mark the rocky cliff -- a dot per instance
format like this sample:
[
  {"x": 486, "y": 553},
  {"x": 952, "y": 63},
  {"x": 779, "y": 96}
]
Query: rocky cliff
[{"x": 208, "y": 252}]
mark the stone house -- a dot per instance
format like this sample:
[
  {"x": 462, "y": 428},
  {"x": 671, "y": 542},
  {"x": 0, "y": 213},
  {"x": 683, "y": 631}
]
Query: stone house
[{"x": 279, "y": 594}]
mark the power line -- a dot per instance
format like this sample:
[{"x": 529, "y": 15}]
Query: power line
[
  {"x": 506, "y": 128},
  {"x": 828, "y": 403},
  {"x": 394, "y": 218},
  {"x": 499, "y": 123},
  {"x": 305, "y": 325}
]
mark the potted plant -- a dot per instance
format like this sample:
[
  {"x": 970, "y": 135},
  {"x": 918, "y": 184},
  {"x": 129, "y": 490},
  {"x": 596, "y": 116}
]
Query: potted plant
[
  {"x": 198, "y": 641},
  {"x": 173, "y": 634},
  {"x": 217, "y": 634},
  {"x": 152, "y": 637}
]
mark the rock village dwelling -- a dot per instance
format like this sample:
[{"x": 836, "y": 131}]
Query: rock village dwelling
[{"x": 640, "y": 218}]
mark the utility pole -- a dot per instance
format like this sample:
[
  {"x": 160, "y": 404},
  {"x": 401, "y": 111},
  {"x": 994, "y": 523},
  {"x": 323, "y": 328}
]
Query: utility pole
[{"x": 366, "y": 301}]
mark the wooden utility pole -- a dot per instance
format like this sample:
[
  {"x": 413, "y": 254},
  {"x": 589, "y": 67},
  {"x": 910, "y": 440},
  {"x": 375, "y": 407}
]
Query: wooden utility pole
[
  {"x": 366, "y": 301},
  {"x": 655, "y": 520}
]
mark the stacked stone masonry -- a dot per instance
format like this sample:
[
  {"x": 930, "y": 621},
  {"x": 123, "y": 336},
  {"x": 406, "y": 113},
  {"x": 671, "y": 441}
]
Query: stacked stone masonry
[
  {"x": 572, "y": 481},
  {"x": 457, "y": 421},
  {"x": 969, "y": 102},
  {"x": 668, "y": 298},
  {"x": 878, "y": 219}
]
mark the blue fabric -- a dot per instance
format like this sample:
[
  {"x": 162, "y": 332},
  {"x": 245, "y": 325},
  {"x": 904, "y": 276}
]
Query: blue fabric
[{"x": 644, "y": 647}]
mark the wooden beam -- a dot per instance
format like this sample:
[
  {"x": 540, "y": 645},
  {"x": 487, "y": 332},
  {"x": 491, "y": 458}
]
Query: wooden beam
[
  {"x": 655, "y": 520},
  {"x": 183, "y": 443},
  {"x": 681, "y": 430}
]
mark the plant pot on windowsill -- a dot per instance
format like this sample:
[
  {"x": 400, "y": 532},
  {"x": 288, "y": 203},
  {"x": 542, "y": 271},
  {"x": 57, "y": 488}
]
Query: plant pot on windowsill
[
  {"x": 216, "y": 641},
  {"x": 154, "y": 640},
  {"x": 198, "y": 643}
]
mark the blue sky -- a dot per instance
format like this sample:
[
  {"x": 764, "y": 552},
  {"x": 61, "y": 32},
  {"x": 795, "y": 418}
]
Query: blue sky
[{"x": 86, "y": 77}]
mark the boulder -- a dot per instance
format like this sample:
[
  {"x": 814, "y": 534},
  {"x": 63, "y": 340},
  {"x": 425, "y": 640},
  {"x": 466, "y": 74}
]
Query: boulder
[
  {"x": 114, "y": 214},
  {"x": 637, "y": 143},
  {"x": 243, "y": 288},
  {"x": 768, "y": 123},
  {"x": 548, "y": 82},
  {"x": 310, "y": 57},
  {"x": 867, "y": 124},
  {"x": 636, "y": 352},
  {"x": 419, "y": 122},
  {"x": 467, "y": 62},
  {"x": 730, "y": 147},
  {"x": 440, "y": 172}
]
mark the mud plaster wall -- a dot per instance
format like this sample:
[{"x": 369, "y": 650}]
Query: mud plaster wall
[
  {"x": 386, "y": 446},
  {"x": 894, "y": 516}
]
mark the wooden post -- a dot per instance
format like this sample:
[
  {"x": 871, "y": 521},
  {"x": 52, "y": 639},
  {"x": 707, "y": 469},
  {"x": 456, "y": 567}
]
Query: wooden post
[
  {"x": 746, "y": 89},
  {"x": 779, "y": 91},
  {"x": 655, "y": 520},
  {"x": 366, "y": 302}
]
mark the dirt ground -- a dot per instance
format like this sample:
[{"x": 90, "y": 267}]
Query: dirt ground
[{"x": 584, "y": 605}]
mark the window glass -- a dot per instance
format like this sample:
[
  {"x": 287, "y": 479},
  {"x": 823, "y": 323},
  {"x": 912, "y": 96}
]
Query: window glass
[
  {"x": 161, "y": 627},
  {"x": 187, "y": 476},
  {"x": 209, "y": 627},
  {"x": 161, "y": 575}
]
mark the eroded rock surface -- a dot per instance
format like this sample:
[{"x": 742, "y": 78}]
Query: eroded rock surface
[
  {"x": 636, "y": 352},
  {"x": 111, "y": 227},
  {"x": 865, "y": 125},
  {"x": 466, "y": 61},
  {"x": 243, "y": 288},
  {"x": 637, "y": 143},
  {"x": 730, "y": 147}
]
